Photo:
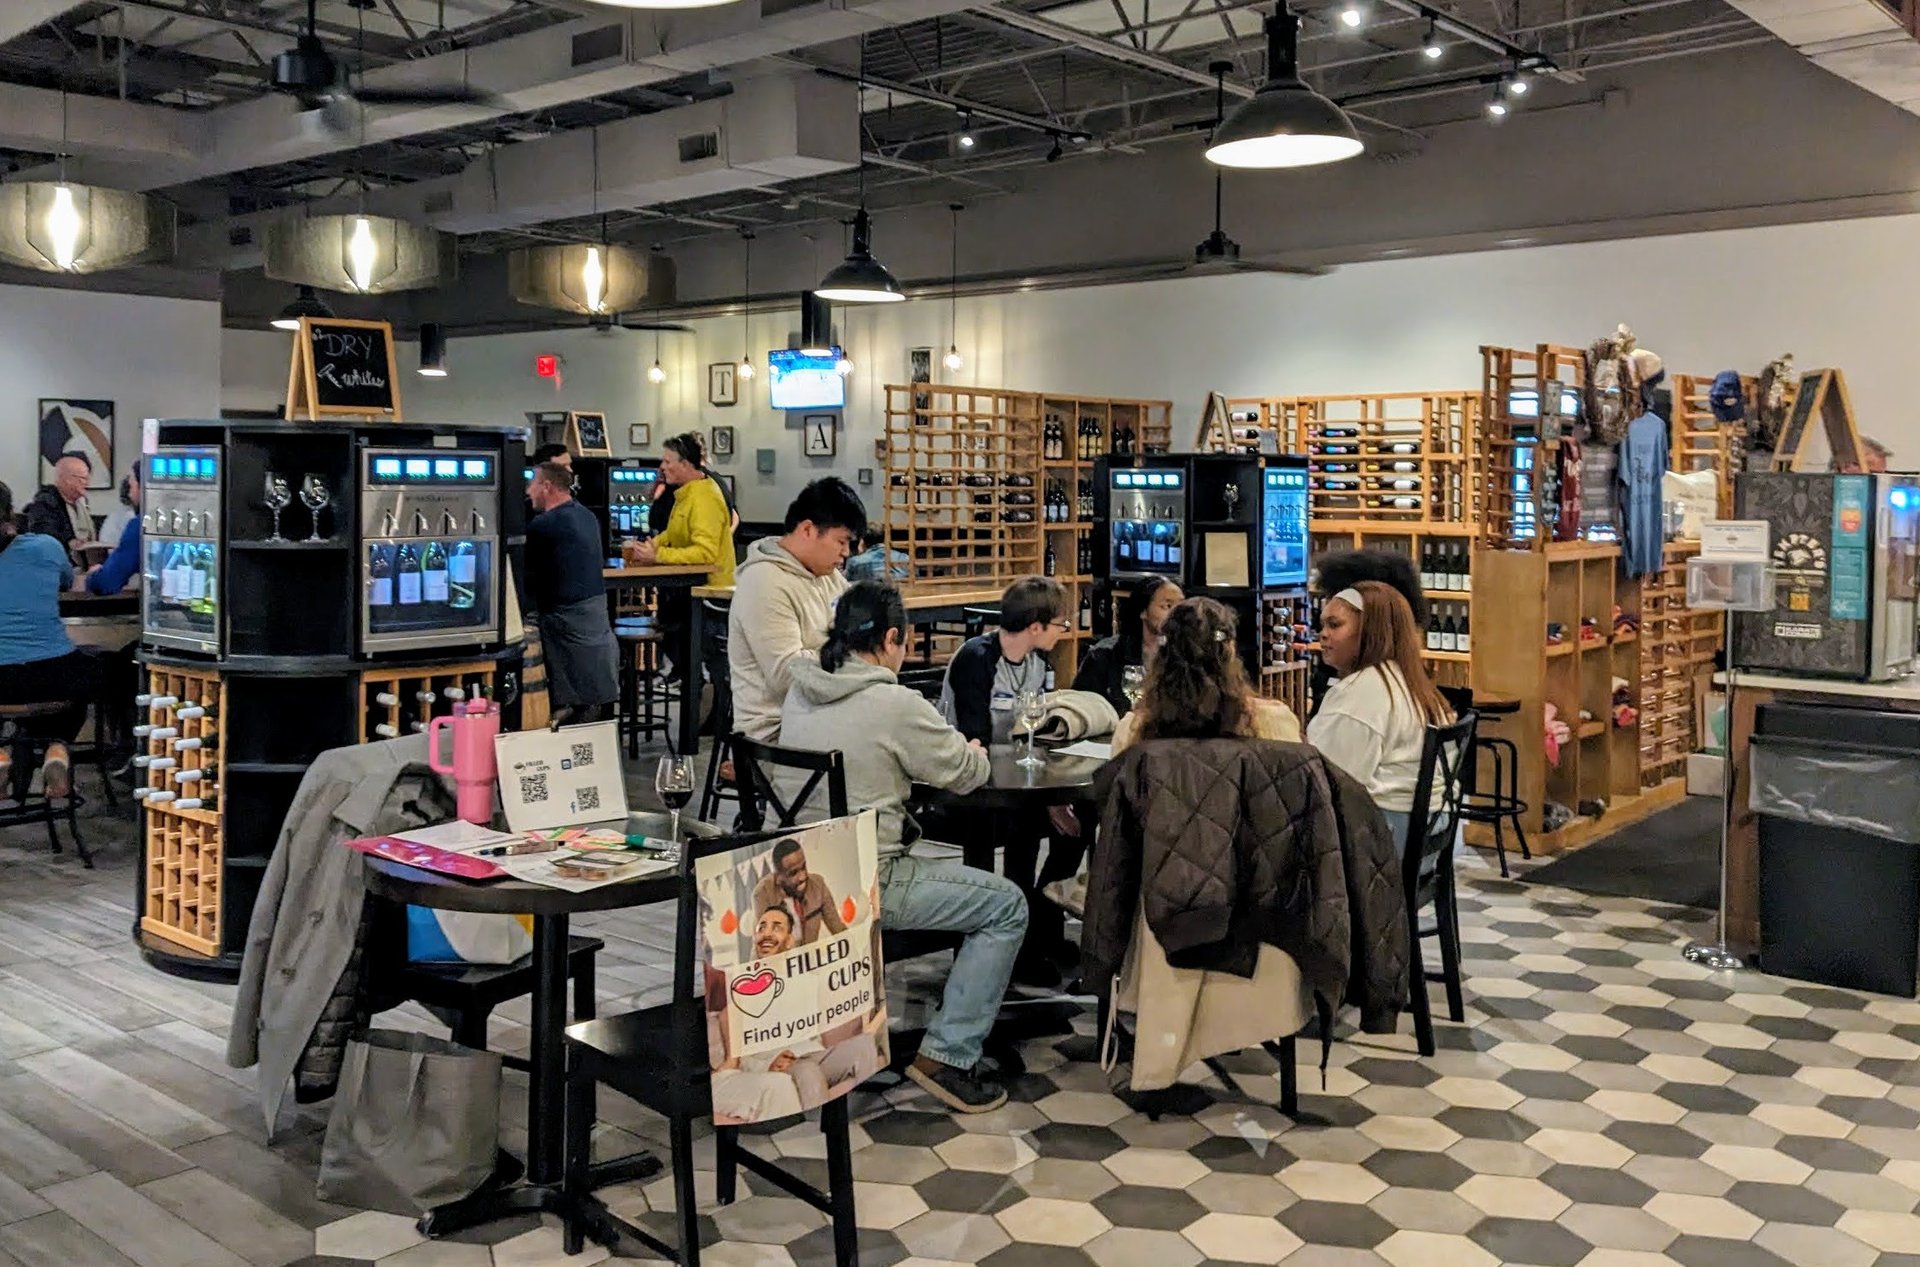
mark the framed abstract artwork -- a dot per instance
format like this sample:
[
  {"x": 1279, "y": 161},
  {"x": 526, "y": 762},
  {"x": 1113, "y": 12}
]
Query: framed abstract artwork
[{"x": 78, "y": 426}]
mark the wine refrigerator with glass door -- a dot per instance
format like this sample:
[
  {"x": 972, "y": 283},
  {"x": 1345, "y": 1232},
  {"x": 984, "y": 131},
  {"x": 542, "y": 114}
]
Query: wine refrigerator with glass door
[
  {"x": 429, "y": 549},
  {"x": 181, "y": 548}
]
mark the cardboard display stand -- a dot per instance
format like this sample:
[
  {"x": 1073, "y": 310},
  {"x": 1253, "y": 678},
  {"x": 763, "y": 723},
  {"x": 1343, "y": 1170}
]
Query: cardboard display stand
[
  {"x": 343, "y": 368},
  {"x": 1822, "y": 392}
]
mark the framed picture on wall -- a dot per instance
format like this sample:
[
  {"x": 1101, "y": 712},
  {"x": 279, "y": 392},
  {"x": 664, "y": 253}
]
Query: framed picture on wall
[
  {"x": 819, "y": 435},
  {"x": 639, "y": 435},
  {"x": 723, "y": 442},
  {"x": 722, "y": 388},
  {"x": 78, "y": 426}
]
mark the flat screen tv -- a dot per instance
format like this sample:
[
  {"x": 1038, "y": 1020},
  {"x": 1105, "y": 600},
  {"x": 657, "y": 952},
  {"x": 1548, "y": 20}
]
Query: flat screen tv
[{"x": 798, "y": 381}]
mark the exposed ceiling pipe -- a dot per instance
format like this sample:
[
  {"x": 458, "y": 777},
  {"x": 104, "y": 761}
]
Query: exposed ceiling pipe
[
  {"x": 914, "y": 92},
  {"x": 1047, "y": 28}
]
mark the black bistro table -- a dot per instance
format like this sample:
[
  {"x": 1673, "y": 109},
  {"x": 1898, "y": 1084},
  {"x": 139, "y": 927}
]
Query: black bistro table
[
  {"x": 1015, "y": 788},
  {"x": 546, "y": 1102}
]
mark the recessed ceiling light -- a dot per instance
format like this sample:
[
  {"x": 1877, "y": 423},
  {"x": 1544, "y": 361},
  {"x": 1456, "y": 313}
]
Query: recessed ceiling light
[
  {"x": 1497, "y": 108},
  {"x": 1432, "y": 46}
]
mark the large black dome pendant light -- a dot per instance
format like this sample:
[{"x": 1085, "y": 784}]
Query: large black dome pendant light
[
  {"x": 1285, "y": 123},
  {"x": 860, "y": 278}
]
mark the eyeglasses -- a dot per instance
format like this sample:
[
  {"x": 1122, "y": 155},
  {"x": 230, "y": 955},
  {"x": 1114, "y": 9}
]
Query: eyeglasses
[{"x": 1063, "y": 625}]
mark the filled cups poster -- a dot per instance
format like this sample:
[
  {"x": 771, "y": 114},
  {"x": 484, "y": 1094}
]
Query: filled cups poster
[{"x": 796, "y": 1006}]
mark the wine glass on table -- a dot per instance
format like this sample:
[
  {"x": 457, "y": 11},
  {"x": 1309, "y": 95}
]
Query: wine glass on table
[
  {"x": 314, "y": 495},
  {"x": 1133, "y": 683},
  {"x": 673, "y": 780},
  {"x": 277, "y": 495},
  {"x": 1030, "y": 707}
]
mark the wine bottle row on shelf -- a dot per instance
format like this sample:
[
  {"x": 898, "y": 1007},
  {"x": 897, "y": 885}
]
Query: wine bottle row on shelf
[
  {"x": 394, "y": 712},
  {"x": 948, "y": 479},
  {"x": 1062, "y": 509},
  {"x": 1444, "y": 565},
  {"x": 437, "y": 574},
  {"x": 1448, "y": 627},
  {"x": 1083, "y": 557},
  {"x": 1138, "y": 543},
  {"x": 186, "y": 575},
  {"x": 1086, "y": 443}
]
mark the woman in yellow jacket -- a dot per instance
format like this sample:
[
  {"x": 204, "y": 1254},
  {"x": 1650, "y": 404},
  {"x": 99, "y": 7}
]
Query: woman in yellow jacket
[{"x": 699, "y": 532}]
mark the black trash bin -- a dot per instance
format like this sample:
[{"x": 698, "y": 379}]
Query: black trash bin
[{"x": 1837, "y": 792}]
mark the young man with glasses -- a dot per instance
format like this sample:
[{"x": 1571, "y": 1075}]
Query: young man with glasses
[{"x": 990, "y": 672}]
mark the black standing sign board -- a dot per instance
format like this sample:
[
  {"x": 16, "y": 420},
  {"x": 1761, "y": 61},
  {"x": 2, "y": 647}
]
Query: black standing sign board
[
  {"x": 343, "y": 368},
  {"x": 589, "y": 435},
  {"x": 1822, "y": 392}
]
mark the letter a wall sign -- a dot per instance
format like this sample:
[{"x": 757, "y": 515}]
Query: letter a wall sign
[{"x": 343, "y": 369}]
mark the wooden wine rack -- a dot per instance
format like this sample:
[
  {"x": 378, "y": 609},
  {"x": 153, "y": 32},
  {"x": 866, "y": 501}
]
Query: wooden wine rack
[
  {"x": 952, "y": 532},
  {"x": 408, "y": 713},
  {"x": 1285, "y": 665},
  {"x": 1508, "y": 518},
  {"x": 183, "y": 846}
]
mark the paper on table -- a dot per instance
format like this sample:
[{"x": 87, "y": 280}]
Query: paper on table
[
  {"x": 537, "y": 868},
  {"x": 1086, "y": 748},
  {"x": 459, "y": 836}
]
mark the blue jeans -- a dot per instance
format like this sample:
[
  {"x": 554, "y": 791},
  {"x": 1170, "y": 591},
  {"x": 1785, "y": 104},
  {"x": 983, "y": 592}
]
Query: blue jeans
[{"x": 951, "y": 898}]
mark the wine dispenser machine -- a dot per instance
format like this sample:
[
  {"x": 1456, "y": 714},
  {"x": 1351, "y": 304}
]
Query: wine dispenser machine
[{"x": 430, "y": 548}]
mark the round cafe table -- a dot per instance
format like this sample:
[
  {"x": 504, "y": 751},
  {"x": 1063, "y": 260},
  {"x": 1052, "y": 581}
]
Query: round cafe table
[
  {"x": 546, "y": 1100},
  {"x": 1060, "y": 780}
]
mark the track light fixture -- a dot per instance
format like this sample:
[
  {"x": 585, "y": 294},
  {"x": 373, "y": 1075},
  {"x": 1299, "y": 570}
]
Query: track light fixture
[
  {"x": 1285, "y": 123},
  {"x": 1351, "y": 16},
  {"x": 1432, "y": 46},
  {"x": 1515, "y": 85},
  {"x": 1053, "y": 155},
  {"x": 1497, "y": 106},
  {"x": 966, "y": 138}
]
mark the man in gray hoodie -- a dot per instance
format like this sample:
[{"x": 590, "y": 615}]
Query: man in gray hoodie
[
  {"x": 890, "y": 738},
  {"x": 783, "y": 597}
]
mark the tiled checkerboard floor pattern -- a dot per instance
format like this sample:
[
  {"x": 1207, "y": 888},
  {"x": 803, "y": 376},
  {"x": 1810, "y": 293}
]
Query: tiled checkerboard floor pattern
[{"x": 1608, "y": 1105}]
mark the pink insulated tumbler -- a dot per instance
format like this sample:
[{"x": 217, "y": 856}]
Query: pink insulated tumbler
[{"x": 472, "y": 768}]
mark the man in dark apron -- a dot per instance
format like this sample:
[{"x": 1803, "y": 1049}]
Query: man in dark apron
[{"x": 568, "y": 594}]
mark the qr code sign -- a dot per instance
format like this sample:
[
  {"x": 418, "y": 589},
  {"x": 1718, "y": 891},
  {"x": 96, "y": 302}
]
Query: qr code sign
[
  {"x": 587, "y": 798},
  {"x": 533, "y": 787},
  {"x": 582, "y": 755}
]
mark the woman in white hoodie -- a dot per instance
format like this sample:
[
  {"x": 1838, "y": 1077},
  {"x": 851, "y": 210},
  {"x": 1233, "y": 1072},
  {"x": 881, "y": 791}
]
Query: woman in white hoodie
[{"x": 891, "y": 738}]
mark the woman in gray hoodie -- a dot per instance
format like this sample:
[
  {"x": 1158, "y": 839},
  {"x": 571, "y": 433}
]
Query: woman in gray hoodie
[{"x": 890, "y": 737}]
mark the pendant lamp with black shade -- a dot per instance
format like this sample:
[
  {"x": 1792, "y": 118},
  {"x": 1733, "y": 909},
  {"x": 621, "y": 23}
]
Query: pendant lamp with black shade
[
  {"x": 305, "y": 303},
  {"x": 433, "y": 349},
  {"x": 860, "y": 278},
  {"x": 1285, "y": 123}
]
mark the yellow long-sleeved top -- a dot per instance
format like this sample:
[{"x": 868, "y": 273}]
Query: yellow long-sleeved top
[{"x": 698, "y": 531}]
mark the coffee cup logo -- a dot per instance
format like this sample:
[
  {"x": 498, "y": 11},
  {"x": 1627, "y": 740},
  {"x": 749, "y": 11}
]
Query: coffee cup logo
[{"x": 754, "y": 992}]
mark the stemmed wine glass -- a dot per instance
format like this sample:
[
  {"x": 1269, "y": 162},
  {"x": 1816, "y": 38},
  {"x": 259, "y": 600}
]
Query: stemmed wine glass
[
  {"x": 673, "y": 780},
  {"x": 315, "y": 495},
  {"x": 1133, "y": 682},
  {"x": 1031, "y": 708},
  {"x": 277, "y": 496}
]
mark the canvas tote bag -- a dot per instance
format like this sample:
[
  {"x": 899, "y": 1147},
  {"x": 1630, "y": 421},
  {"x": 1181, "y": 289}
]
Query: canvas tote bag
[{"x": 415, "y": 1123}]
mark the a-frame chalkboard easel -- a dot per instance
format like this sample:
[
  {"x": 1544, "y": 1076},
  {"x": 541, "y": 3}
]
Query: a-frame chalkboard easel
[
  {"x": 587, "y": 435},
  {"x": 342, "y": 368},
  {"x": 1823, "y": 392}
]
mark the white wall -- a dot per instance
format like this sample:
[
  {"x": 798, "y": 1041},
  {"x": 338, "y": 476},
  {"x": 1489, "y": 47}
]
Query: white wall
[
  {"x": 1837, "y": 293},
  {"x": 153, "y": 357}
]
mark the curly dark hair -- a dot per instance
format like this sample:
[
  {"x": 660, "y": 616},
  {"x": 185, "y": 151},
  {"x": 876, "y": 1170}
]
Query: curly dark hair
[
  {"x": 1343, "y": 569},
  {"x": 1196, "y": 687}
]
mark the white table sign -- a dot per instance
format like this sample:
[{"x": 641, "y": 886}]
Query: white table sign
[{"x": 561, "y": 778}]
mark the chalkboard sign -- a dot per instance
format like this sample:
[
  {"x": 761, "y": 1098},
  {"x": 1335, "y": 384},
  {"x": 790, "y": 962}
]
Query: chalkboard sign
[
  {"x": 1823, "y": 392},
  {"x": 1812, "y": 386},
  {"x": 343, "y": 367},
  {"x": 588, "y": 436}
]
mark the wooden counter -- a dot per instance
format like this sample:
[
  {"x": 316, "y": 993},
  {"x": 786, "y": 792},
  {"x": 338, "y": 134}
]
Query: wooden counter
[
  {"x": 652, "y": 572},
  {"x": 918, "y": 599},
  {"x": 1751, "y": 690}
]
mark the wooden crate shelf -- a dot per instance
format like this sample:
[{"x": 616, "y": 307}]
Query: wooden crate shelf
[
  {"x": 1698, "y": 442},
  {"x": 1510, "y": 457},
  {"x": 181, "y": 892}
]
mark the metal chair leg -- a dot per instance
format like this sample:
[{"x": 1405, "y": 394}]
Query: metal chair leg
[
  {"x": 726, "y": 1163},
  {"x": 1417, "y": 978},
  {"x": 686, "y": 1208},
  {"x": 579, "y": 1155},
  {"x": 846, "y": 1236},
  {"x": 1446, "y": 910}
]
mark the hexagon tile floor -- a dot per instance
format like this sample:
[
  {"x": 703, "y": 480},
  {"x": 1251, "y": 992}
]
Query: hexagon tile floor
[{"x": 1607, "y": 1105}]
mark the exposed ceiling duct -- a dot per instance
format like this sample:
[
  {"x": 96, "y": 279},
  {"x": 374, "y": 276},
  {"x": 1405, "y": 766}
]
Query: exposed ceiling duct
[
  {"x": 1858, "y": 40},
  {"x": 768, "y": 131},
  {"x": 526, "y": 73}
]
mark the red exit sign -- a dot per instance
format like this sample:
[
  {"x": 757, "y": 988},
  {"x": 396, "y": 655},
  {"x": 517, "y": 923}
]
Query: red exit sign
[{"x": 547, "y": 366}]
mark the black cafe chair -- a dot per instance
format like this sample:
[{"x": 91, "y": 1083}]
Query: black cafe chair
[
  {"x": 716, "y": 787},
  {"x": 1426, "y": 869},
  {"x": 659, "y": 1058}
]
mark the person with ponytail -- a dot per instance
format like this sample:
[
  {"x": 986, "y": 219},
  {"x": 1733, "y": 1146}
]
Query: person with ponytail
[
  {"x": 38, "y": 661},
  {"x": 1197, "y": 688},
  {"x": 1373, "y": 721},
  {"x": 890, "y": 738}
]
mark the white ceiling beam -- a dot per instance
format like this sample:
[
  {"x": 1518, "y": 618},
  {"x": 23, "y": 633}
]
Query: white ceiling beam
[{"x": 47, "y": 121}]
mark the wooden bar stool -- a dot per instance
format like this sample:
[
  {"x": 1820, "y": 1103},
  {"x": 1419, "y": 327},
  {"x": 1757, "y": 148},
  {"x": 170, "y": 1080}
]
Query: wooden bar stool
[{"x": 22, "y": 805}]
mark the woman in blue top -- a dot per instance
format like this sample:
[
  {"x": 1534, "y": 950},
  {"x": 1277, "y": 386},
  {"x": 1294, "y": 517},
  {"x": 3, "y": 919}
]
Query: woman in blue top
[{"x": 38, "y": 662}]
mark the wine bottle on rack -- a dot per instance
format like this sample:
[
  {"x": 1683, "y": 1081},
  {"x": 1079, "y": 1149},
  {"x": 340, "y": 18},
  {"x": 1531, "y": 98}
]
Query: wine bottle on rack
[
  {"x": 1429, "y": 578},
  {"x": 433, "y": 573},
  {"x": 1048, "y": 566},
  {"x": 1465, "y": 639},
  {"x": 202, "y": 743},
  {"x": 207, "y": 799},
  {"x": 1433, "y": 629},
  {"x": 462, "y": 568},
  {"x": 407, "y": 579},
  {"x": 387, "y": 730}
]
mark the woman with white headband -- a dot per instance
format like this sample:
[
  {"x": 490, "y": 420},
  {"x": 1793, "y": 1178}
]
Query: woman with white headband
[{"x": 1373, "y": 721}]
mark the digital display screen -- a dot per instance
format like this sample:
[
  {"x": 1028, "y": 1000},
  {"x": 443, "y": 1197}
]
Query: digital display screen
[
  {"x": 476, "y": 468},
  {"x": 797, "y": 381},
  {"x": 386, "y": 468},
  {"x": 1146, "y": 479},
  {"x": 406, "y": 468},
  {"x": 446, "y": 469},
  {"x": 1283, "y": 527},
  {"x": 417, "y": 468},
  {"x": 634, "y": 476},
  {"x": 1524, "y": 402}
]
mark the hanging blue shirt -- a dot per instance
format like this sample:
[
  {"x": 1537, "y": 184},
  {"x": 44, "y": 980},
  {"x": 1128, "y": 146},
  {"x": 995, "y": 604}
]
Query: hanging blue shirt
[
  {"x": 34, "y": 571},
  {"x": 1643, "y": 460}
]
